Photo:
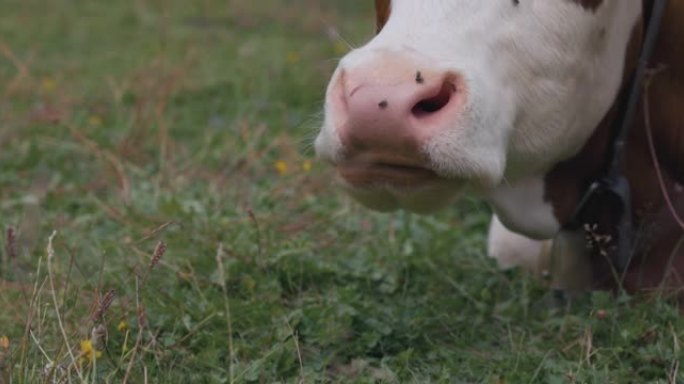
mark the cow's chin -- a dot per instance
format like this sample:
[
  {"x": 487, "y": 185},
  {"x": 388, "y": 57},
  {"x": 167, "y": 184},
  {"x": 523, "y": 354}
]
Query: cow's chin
[{"x": 387, "y": 188}]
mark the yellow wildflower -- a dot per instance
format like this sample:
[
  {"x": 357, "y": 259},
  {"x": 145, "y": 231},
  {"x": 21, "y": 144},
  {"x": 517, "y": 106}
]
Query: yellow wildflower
[
  {"x": 88, "y": 352},
  {"x": 95, "y": 120},
  {"x": 341, "y": 48},
  {"x": 306, "y": 165},
  {"x": 49, "y": 84},
  {"x": 281, "y": 167},
  {"x": 123, "y": 325},
  {"x": 293, "y": 57}
]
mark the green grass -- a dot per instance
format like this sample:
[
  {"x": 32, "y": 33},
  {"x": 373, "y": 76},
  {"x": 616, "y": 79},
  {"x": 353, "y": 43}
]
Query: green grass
[{"x": 128, "y": 123}]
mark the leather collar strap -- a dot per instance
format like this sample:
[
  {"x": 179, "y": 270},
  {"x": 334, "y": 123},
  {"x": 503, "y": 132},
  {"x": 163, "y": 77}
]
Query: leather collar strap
[
  {"x": 628, "y": 109},
  {"x": 611, "y": 191}
]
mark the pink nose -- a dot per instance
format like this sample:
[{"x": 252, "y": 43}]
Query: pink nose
[{"x": 389, "y": 108}]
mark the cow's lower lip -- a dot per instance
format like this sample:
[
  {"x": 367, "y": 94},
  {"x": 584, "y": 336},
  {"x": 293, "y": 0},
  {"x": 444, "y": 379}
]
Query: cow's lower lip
[{"x": 382, "y": 174}]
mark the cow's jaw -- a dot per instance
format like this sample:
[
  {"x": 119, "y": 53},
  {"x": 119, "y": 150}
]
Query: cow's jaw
[{"x": 531, "y": 82}]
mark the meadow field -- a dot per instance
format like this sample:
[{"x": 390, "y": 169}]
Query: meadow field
[{"x": 164, "y": 220}]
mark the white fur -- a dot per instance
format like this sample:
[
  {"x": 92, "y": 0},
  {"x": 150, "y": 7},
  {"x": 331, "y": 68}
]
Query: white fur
[
  {"x": 513, "y": 250},
  {"x": 522, "y": 207},
  {"x": 539, "y": 77}
]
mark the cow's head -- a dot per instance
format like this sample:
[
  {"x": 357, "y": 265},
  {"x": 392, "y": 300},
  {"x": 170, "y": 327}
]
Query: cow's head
[{"x": 455, "y": 95}]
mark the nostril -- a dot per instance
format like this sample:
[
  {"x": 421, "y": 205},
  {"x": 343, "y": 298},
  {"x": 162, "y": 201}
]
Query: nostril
[{"x": 435, "y": 102}]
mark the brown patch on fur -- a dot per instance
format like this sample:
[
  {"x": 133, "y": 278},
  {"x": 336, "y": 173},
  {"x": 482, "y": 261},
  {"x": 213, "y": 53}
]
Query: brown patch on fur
[
  {"x": 383, "y": 9},
  {"x": 658, "y": 259},
  {"x": 589, "y": 4}
]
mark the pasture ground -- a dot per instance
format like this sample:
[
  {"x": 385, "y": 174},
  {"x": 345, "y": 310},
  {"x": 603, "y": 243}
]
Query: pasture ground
[{"x": 164, "y": 221}]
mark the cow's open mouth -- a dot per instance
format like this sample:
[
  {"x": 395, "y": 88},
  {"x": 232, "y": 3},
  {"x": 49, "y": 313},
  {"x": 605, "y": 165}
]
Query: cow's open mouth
[{"x": 365, "y": 175}]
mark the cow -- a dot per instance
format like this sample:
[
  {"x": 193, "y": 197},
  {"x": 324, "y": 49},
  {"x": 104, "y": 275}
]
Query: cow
[{"x": 516, "y": 101}]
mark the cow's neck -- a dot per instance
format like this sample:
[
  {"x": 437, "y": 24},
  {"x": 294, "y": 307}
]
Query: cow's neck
[{"x": 658, "y": 233}]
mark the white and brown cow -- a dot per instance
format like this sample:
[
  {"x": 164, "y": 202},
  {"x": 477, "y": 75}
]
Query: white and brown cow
[{"x": 514, "y": 101}]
